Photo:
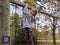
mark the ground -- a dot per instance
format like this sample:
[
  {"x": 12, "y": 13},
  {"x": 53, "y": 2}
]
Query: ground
[
  {"x": 44, "y": 44},
  {"x": 49, "y": 42}
]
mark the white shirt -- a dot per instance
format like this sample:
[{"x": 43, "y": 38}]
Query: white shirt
[{"x": 28, "y": 18}]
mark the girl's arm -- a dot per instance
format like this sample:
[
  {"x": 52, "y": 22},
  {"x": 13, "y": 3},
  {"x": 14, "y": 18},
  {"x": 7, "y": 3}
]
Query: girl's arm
[{"x": 26, "y": 10}]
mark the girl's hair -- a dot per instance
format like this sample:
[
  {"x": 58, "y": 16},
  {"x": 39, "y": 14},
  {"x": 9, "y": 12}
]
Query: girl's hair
[{"x": 35, "y": 11}]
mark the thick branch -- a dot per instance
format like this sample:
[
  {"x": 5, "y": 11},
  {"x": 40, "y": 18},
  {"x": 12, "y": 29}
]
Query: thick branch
[
  {"x": 30, "y": 8},
  {"x": 18, "y": 4},
  {"x": 50, "y": 15}
]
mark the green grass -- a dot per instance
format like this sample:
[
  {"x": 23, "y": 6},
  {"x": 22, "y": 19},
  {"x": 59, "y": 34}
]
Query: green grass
[{"x": 48, "y": 41}]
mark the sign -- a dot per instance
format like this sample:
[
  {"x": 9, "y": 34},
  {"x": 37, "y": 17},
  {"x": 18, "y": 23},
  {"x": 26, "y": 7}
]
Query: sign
[{"x": 5, "y": 39}]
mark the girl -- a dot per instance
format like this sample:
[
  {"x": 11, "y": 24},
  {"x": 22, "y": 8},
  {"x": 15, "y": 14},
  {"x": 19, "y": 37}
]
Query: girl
[{"x": 27, "y": 24}]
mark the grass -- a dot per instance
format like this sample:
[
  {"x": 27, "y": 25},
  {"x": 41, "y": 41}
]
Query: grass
[
  {"x": 48, "y": 44},
  {"x": 48, "y": 41}
]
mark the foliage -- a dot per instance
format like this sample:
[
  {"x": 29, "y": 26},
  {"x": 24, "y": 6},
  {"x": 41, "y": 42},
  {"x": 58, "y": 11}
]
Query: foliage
[
  {"x": 14, "y": 27},
  {"x": 35, "y": 35},
  {"x": 20, "y": 38},
  {"x": 58, "y": 6},
  {"x": 15, "y": 17},
  {"x": 46, "y": 27},
  {"x": 30, "y": 2}
]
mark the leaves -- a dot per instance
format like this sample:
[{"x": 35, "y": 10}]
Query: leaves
[
  {"x": 58, "y": 6},
  {"x": 34, "y": 32},
  {"x": 30, "y": 2},
  {"x": 16, "y": 17},
  {"x": 46, "y": 26}
]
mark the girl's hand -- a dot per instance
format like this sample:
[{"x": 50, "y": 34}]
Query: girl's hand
[{"x": 26, "y": 4}]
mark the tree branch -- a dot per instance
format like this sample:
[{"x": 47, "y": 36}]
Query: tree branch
[
  {"x": 18, "y": 4},
  {"x": 50, "y": 15},
  {"x": 30, "y": 8}
]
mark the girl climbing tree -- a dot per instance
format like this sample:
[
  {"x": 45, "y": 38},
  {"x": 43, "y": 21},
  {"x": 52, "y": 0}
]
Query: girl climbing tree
[{"x": 27, "y": 24}]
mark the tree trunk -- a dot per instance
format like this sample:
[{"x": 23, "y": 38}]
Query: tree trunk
[
  {"x": 4, "y": 19},
  {"x": 54, "y": 27}
]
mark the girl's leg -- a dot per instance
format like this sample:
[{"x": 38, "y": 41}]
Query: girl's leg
[{"x": 28, "y": 34}]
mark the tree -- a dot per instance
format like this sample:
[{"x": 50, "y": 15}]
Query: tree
[
  {"x": 14, "y": 26},
  {"x": 4, "y": 19}
]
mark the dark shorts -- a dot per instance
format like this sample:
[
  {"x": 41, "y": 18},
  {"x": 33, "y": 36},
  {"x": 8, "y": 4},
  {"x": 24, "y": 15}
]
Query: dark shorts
[{"x": 28, "y": 34}]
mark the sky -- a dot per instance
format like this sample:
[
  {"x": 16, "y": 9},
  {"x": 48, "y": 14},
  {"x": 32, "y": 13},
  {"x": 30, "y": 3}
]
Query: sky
[{"x": 19, "y": 10}]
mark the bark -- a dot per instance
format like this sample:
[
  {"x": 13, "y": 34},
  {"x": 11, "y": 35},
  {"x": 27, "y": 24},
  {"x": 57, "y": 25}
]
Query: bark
[
  {"x": 4, "y": 19},
  {"x": 54, "y": 27}
]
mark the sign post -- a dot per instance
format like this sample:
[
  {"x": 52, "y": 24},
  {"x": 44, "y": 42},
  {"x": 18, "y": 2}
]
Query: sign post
[{"x": 5, "y": 40}]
